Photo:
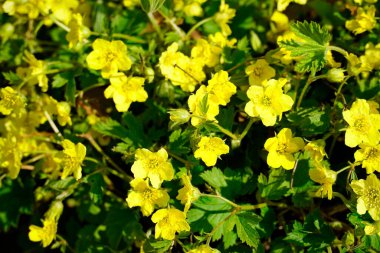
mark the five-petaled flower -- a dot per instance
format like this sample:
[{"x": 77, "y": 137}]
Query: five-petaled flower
[
  {"x": 45, "y": 234},
  {"x": 169, "y": 221},
  {"x": 108, "y": 56},
  {"x": 259, "y": 72},
  {"x": 152, "y": 165},
  {"x": 146, "y": 197},
  {"x": 281, "y": 149},
  {"x": 71, "y": 158},
  {"x": 325, "y": 177},
  {"x": 369, "y": 195},
  {"x": 210, "y": 148},
  {"x": 268, "y": 101},
  {"x": 364, "y": 20},
  {"x": 369, "y": 156}
]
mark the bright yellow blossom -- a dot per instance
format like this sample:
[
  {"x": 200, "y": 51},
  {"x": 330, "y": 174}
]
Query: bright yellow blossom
[
  {"x": 169, "y": 221},
  {"x": 10, "y": 101},
  {"x": 10, "y": 155},
  {"x": 363, "y": 124},
  {"x": 62, "y": 10},
  {"x": 372, "y": 228},
  {"x": 31, "y": 7},
  {"x": 221, "y": 41},
  {"x": 37, "y": 70},
  {"x": 368, "y": 192},
  {"x": 206, "y": 52},
  {"x": 371, "y": 56},
  {"x": 192, "y": 8},
  {"x": 152, "y": 165},
  {"x": 209, "y": 149},
  {"x": 180, "y": 69},
  {"x": 316, "y": 149},
  {"x": 125, "y": 90},
  {"x": 369, "y": 156},
  {"x": 283, "y": 4},
  {"x": 202, "y": 107},
  {"x": 108, "y": 56},
  {"x": 63, "y": 113},
  {"x": 268, "y": 101},
  {"x": 71, "y": 159},
  {"x": 203, "y": 249},
  {"x": 281, "y": 149},
  {"x": 281, "y": 21},
  {"x": 364, "y": 21},
  {"x": 220, "y": 89},
  {"x": 45, "y": 234},
  {"x": 78, "y": 32},
  {"x": 146, "y": 197},
  {"x": 188, "y": 193},
  {"x": 130, "y": 4},
  {"x": 223, "y": 16},
  {"x": 325, "y": 177},
  {"x": 259, "y": 72},
  {"x": 357, "y": 65}
]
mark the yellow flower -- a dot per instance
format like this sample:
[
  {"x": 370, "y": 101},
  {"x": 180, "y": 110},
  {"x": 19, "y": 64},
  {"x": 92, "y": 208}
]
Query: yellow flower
[
  {"x": 207, "y": 53},
  {"x": 364, "y": 21},
  {"x": 325, "y": 177},
  {"x": 125, "y": 90},
  {"x": 180, "y": 69},
  {"x": 209, "y": 149},
  {"x": 188, "y": 193},
  {"x": 45, "y": 234},
  {"x": 220, "y": 89},
  {"x": 369, "y": 195},
  {"x": 268, "y": 101},
  {"x": 152, "y": 165},
  {"x": 130, "y": 4},
  {"x": 357, "y": 65},
  {"x": 63, "y": 113},
  {"x": 259, "y": 72},
  {"x": 30, "y": 7},
  {"x": 169, "y": 221},
  {"x": 369, "y": 156},
  {"x": 363, "y": 124},
  {"x": 222, "y": 17},
  {"x": 316, "y": 150},
  {"x": 146, "y": 197},
  {"x": 281, "y": 21},
  {"x": 37, "y": 69},
  {"x": 108, "y": 57},
  {"x": 283, "y": 4},
  {"x": 203, "y": 249},
  {"x": 371, "y": 56},
  {"x": 10, "y": 101},
  {"x": 221, "y": 41},
  {"x": 62, "y": 10},
  {"x": 78, "y": 32},
  {"x": 281, "y": 149},
  {"x": 10, "y": 155},
  {"x": 372, "y": 228},
  {"x": 72, "y": 157},
  {"x": 202, "y": 107}
]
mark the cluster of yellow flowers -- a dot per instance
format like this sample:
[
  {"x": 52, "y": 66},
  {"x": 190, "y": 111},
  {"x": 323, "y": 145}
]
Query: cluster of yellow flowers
[{"x": 150, "y": 170}]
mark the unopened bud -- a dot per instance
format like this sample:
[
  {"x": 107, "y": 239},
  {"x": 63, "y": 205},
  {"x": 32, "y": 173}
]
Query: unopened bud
[
  {"x": 335, "y": 75},
  {"x": 179, "y": 116},
  {"x": 149, "y": 74}
]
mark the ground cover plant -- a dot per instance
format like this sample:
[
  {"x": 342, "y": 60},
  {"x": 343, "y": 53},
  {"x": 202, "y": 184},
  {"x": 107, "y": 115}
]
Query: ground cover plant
[{"x": 189, "y": 126}]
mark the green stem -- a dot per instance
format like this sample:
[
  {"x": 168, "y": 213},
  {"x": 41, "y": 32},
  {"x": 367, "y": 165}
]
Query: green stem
[
  {"x": 171, "y": 22},
  {"x": 253, "y": 207},
  {"x": 343, "y": 198},
  {"x": 339, "y": 50},
  {"x": 53, "y": 125},
  {"x": 128, "y": 37},
  {"x": 247, "y": 127},
  {"x": 200, "y": 23},
  {"x": 226, "y": 131},
  {"x": 344, "y": 169},
  {"x": 156, "y": 26},
  {"x": 222, "y": 198},
  {"x": 304, "y": 89},
  {"x": 121, "y": 173}
]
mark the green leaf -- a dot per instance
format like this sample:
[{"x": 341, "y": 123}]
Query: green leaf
[
  {"x": 156, "y": 246},
  {"x": 70, "y": 91},
  {"x": 179, "y": 141},
  {"x": 311, "y": 48},
  {"x": 61, "y": 79},
  {"x": 16, "y": 198},
  {"x": 214, "y": 177},
  {"x": 150, "y": 6},
  {"x": 311, "y": 121},
  {"x": 97, "y": 184},
  {"x": 11, "y": 77},
  {"x": 122, "y": 223},
  {"x": 276, "y": 186},
  {"x": 246, "y": 223},
  {"x": 111, "y": 128}
]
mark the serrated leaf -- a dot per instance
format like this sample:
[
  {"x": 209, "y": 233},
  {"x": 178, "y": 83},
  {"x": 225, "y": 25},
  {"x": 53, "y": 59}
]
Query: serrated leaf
[
  {"x": 156, "y": 246},
  {"x": 311, "y": 48},
  {"x": 214, "y": 177},
  {"x": 246, "y": 223},
  {"x": 111, "y": 128},
  {"x": 11, "y": 77},
  {"x": 276, "y": 186},
  {"x": 150, "y": 6},
  {"x": 61, "y": 185}
]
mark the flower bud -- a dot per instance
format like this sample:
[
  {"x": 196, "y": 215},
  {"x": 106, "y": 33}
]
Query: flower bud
[
  {"x": 335, "y": 75},
  {"x": 149, "y": 74},
  {"x": 179, "y": 116}
]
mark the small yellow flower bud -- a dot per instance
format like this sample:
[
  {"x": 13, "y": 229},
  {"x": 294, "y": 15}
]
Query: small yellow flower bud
[
  {"x": 149, "y": 74},
  {"x": 335, "y": 75}
]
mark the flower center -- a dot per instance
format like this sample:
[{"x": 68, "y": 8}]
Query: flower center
[
  {"x": 373, "y": 153},
  {"x": 148, "y": 194},
  {"x": 258, "y": 71},
  {"x": 361, "y": 125},
  {"x": 281, "y": 148},
  {"x": 372, "y": 197},
  {"x": 266, "y": 101}
]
